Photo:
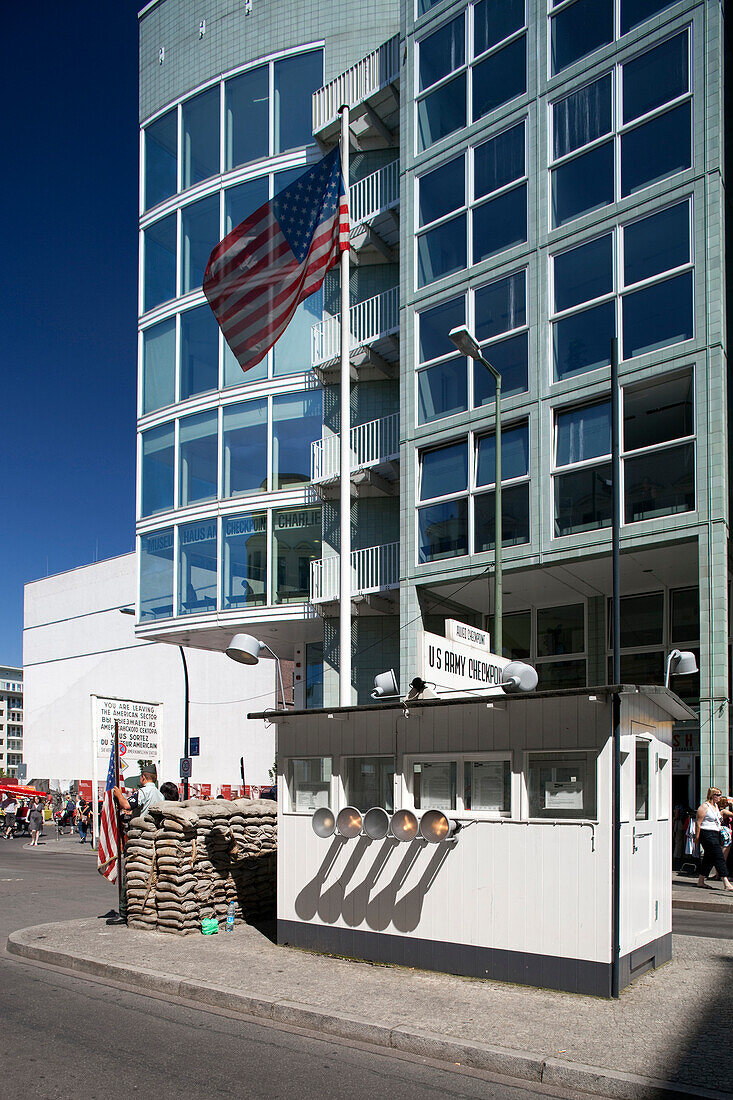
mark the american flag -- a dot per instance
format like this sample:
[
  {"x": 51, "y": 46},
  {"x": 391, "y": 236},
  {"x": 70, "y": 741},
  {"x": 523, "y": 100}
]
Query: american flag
[
  {"x": 277, "y": 257},
  {"x": 109, "y": 841}
]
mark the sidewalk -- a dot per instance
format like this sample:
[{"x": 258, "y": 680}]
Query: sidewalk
[
  {"x": 686, "y": 895},
  {"x": 65, "y": 845},
  {"x": 668, "y": 1035}
]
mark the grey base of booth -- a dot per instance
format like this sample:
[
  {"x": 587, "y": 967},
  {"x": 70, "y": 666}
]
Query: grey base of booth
[{"x": 520, "y": 967}]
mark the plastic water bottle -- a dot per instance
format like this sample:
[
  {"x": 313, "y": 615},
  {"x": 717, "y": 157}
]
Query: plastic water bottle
[{"x": 231, "y": 912}]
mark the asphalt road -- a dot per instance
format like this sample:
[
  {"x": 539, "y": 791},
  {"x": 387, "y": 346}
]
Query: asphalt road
[{"x": 66, "y": 1038}]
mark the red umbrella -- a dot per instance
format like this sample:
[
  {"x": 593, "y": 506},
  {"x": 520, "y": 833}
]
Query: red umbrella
[{"x": 23, "y": 792}]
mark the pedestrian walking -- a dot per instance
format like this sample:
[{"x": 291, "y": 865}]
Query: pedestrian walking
[
  {"x": 708, "y": 823},
  {"x": 35, "y": 821},
  {"x": 83, "y": 815},
  {"x": 10, "y": 806}
]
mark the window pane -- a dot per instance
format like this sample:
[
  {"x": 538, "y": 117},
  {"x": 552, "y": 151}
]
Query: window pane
[
  {"x": 656, "y": 77},
  {"x": 292, "y": 351},
  {"x": 487, "y": 785},
  {"x": 583, "y": 500},
  {"x": 156, "y": 575},
  {"x": 247, "y": 117},
  {"x": 514, "y": 518},
  {"x": 441, "y": 251},
  {"x": 516, "y": 634},
  {"x": 442, "y": 390},
  {"x": 199, "y": 234},
  {"x": 501, "y": 306},
  {"x": 661, "y": 483},
  {"x": 560, "y": 630},
  {"x": 579, "y": 30},
  {"x": 657, "y": 244},
  {"x": 642, "y": 620},
  {"x": 556, "y": 675},
  {"x": 245, "y": 448},
  {"x": 641, "y": 785},
  {"x": 434, "y": 785},
  {"x": 199, "y": 352},
  {"x": 201, "y": 137},
  {"x": 499, "y": 161},
  {"x": 442, "y": 52},
  {"x": 159, "y": 365},
  {"x": 501, "y": 77},
  {"x": 297, "y": 420},
  {"x": 582, "y": 434},
  {"x": 639, "y": 668},
  {"x": 583, "y": 184},
  {"x": 495, "y": 20},
  {"x": 562, "y": 785},
  {"x": 658, "y": 316},
  {"x": 500, "y": 223},
  {"x": 443, "y": 531},
  {"x": 425, "y": 5},
  {"x": 584, "y": 273},
  {"x": 296, "y": 79},
  {"x": 514, "y": 456},
  {"x": 583, "y": 342},
  {"x": 511, "y": 358},
  {"x": 197, "y": 572},
  {"x": 296, "y": 537},
  {"x": 243, "y": 200},
  {"x": 199, "y": 459},
  {"x": 435, "y": 324},
  {"x": 157, "y": 470},
  {"x": 369, "y": 781},
  {"x": 442, "y": 190},
  {"x": 657, "y": 149},
  {"x": 233, "y": 373},
  {"x": 314, "y": 675},
  {"x": 160, "y": 262},
  {"x": 161, "y": 141},
  {"x": 245, "y": 560},
  {"x": 582, "y": 117},
  {"x": 634, "y": 12},
  {"x": 309, "y": 782},
  {"x": 444, "y": 470},
  {"x": 685, "y": 615},
  {"x": 442, "y": 112},
  {"x": 658, "y": 412}
]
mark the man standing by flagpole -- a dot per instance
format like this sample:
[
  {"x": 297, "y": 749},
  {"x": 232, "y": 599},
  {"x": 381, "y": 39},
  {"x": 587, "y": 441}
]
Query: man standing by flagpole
[{"x": 109, "y": 848}]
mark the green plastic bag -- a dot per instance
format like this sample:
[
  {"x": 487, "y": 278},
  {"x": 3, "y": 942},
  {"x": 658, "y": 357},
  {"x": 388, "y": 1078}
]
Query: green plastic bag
[{"x": 209, "y": 926}]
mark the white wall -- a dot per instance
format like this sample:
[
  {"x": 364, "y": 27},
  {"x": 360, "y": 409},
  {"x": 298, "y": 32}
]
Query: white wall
[{"x": 76, "y": 643}]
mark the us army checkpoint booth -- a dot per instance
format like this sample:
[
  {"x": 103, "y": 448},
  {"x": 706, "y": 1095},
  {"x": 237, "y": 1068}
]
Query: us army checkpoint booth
[{"x": 476, "y": 835}]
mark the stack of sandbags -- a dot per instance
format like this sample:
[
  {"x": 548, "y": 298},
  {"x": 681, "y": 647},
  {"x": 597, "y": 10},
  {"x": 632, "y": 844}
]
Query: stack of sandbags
[{"x": 202, "y": 855}]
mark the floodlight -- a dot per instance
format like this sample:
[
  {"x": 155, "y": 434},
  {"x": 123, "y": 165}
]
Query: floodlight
[
  {"x": 436, "y": 826},
  {"x": 385, "y": 684},
  {"x": 348, "y": 822},
  {"x": 404, "y": 826},
  {"x": 376, "y": 823},
  {"x": 465, "y": 341},
  {"x": 517, "y": 676},
  {"x": 323, "y": 822},
  {"x": 680, "y": 663}
]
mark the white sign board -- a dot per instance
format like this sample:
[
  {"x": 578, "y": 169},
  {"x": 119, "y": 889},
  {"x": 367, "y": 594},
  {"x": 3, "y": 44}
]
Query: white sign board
[
  {"x": 457, "y": 669},
  {"x": 467, "y": 635},
  {"x": 138, "y": 724}
]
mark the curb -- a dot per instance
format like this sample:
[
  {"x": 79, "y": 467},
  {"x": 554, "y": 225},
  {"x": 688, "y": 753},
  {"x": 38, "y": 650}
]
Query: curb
[
  {"x": 494, "y": 1059},
  {"x": 703, "y": 906}
]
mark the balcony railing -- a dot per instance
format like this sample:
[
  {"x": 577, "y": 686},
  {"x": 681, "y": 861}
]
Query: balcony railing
[
  {"x": 375, "y": 193},
  {"x": 371, "y": 443},
  {"x": 375, "y": 71},
  {"x": 372, "y": 570},
  {"x": 369, "y": 320}
]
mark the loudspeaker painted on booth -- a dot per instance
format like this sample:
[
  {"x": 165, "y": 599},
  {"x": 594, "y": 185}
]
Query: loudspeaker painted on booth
[
  {"x": 376, "y": 823},
  {"x": 404, "y": 826},
  {"x": 436, "y": 826},
  {"x": 323, "y": 822},
  {"x": 348, "y": 822}
]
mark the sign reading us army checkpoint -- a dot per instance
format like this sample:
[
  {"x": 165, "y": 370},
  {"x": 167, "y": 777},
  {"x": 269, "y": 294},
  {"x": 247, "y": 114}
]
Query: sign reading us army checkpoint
[{"x": 460, "y": 664}]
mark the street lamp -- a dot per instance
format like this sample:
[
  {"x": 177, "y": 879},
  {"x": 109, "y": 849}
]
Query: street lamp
[
  {"x": 247, "y": 650},
  {"x": 680, "y": 663},
  {"x": 467, "y": 344}
]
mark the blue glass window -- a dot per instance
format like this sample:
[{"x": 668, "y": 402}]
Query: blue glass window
[
  {"x": 582, "y": 342},
  {"x": 499, "y": 161},
  {"x": 501, "y": 306},
  {"x": 656, "y": 149},
  {"x": 660, "y": 483},
  {"x": 435, "y": 324},
  {"x": 579, "y": 30},
  {"x": 514, "y": 456},
  {"x": 158, "y": 459},
  {"x": 514, "y": 518},
  {"x": 634, "y": 12},
  {"x": 495, "y": 20},
  {"x": 442, "y": 112},
  {"x": 500, "y": 77},
  {"x": 296, "y": 79},
  {"x": 443, "y": 531},
  {"x": 244, "y": 560},
  {"x": 582, "y": 184},
  {"x": 296, "y": 536},
  {"x": 584, "y": 273},
  {"x": 658, "y": 315},
  {"x": 442, "y": 191},
  {"x": 199, "y": 458},
  {"x": 159, "y": 365},
  {"x": 199, "y": 234},
  {"x": 659, "y": 412},
  {"x": 197, "y": 567},
  {"x": 161, "y": 143},
  {"x": 200, "y": 151},
  {"x": 500, "y": 223},
  {"x": 444, "y": 470},
  {"x": 297, "y": 420},
  {"x": 160, "y": 262},
  {"x": 583, "y": 500},
  {"x": 511, "y": 358},
  {"x": 582, "y": 117},
  {"x": 442, "y": 251},
  {"x": 156, "y": 575},
  {"x": 247, "y": 117},
  {"x": 292, "y": 352},
  {"x": 655, "y": 78},
  {"x": 199, "y": 352},
  {"x": 245, "y": 448},
  {"x": 243, "y": 200},
  {"x": 442, "y": 52},
  {"x": 656, "y": 244},
  {"x": 442, "y": 390},
  {"x": 583, "y": 434}
]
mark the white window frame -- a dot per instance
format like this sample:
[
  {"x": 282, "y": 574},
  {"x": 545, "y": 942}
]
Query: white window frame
[
  {"x": 285, "y": 793},
  {"x": 460, "y": 759},
  {"x": 341, "y": 777},
  {"x": 592, "y": 756}
]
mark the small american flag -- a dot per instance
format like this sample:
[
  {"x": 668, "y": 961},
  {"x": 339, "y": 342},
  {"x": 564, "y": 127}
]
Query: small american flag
[
  {"x": 109, "y": 841},
  {"x": 257, "y": 276}
]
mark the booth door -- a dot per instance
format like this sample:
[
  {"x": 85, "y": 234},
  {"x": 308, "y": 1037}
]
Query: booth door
[{"x": 642, "y": 841}]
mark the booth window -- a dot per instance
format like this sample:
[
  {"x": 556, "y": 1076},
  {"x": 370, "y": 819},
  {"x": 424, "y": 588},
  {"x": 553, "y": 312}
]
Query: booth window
[
  {"x": 309, "y": 783},
  {"x": 641, "y": 780},
  {"x": 434, "y": 784},
  {"x": 487, "y": 785},
  {"x": 369, "y": 781},
  {"x": 562, "y": 785},
  {"x": 476, "y": 784}
]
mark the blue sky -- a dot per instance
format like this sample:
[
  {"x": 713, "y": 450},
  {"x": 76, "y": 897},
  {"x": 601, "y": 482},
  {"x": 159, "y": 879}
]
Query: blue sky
[{"x": 67, "y": 293}]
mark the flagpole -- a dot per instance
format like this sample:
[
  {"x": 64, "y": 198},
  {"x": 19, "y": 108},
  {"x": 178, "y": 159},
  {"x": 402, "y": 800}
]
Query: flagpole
[
  {"x": 117, "y": 816},
  {"x": 345, "y": 447}
]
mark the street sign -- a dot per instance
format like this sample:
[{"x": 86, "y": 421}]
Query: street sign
[
  {"x": 193, "y": 746},
  {"x": 185, "y": 767}
]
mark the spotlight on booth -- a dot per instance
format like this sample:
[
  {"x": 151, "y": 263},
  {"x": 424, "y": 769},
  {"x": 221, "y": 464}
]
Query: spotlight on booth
[
  {"x": 404, "y": 826},
  {"x": 681, "y": 662},
  {"x": 385, "y": 685},
  {"x": 519, "y": 677},
  {"x": 376, "y": 823},
  {"x": 348, "y": 822},
  {"x": 436, "y": 826},
  {"x": 323, "y": 822}
]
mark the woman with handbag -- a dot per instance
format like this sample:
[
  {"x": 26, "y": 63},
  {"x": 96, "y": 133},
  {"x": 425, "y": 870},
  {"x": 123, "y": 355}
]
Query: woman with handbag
[{"x": 708, "y": 824}]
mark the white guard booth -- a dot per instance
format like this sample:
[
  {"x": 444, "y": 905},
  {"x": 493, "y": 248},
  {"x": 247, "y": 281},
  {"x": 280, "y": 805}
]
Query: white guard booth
[{"x": 494, "y": 850}]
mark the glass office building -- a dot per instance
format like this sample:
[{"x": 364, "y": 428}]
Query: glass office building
[{"x": 550, "y": 174}]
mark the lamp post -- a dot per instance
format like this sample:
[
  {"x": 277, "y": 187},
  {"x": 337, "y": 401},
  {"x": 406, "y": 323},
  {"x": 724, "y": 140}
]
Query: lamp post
[
  {"x": 467, "y": 343},
  {"x": 247, "y": 650}
]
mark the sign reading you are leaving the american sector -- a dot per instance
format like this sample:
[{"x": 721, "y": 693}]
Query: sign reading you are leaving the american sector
[{"x": 461, "y": 664}]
